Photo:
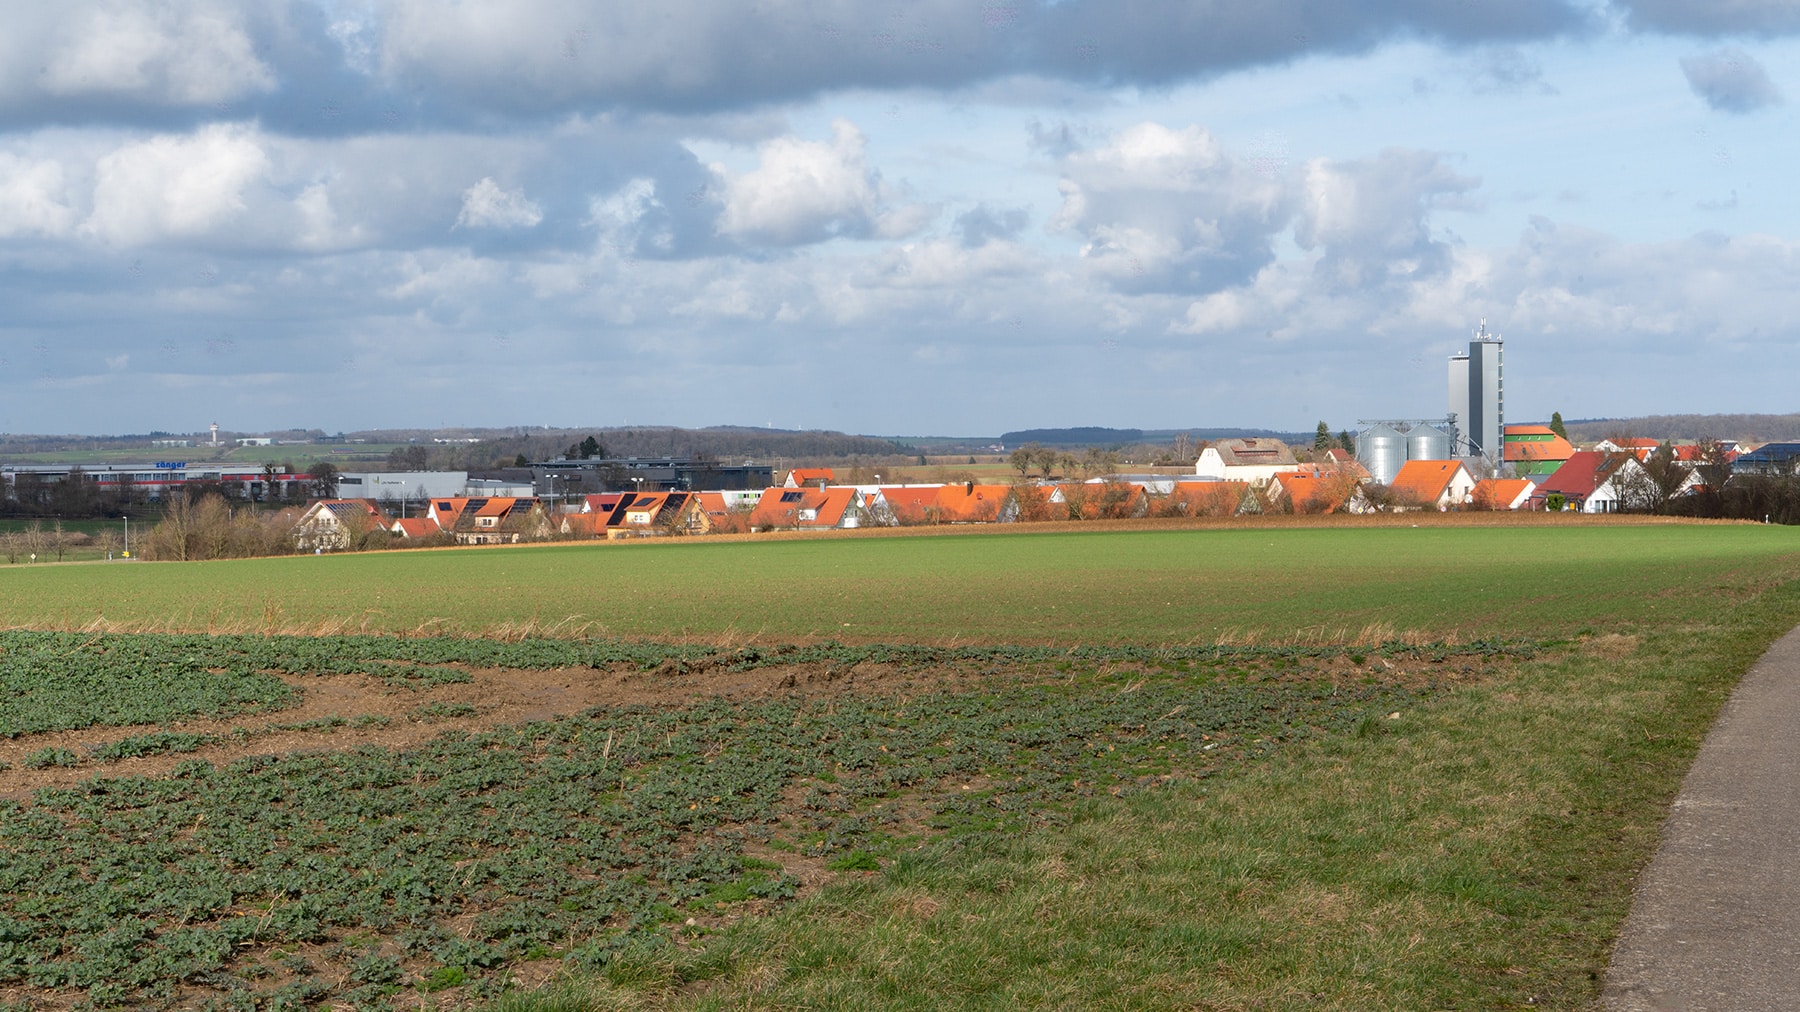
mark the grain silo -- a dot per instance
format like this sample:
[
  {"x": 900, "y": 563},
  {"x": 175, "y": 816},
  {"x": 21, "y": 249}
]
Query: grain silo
[
  {"x": 1382, "y": 449},
  {"x": 1427, "y": 442}
]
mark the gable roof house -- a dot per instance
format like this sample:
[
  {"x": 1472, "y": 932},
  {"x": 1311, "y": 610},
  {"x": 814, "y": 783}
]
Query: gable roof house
[
  {"x": 1251, "y": 460},
  {"x": 970, "y": 503},
  {"x": 334, "y": 524},
  {"x": 903, "y": 505},
  {"x": 495, "y": 520},
  {"x": 1591, "y": 481},
  {"x": 1314, "y": 489},
  {"x": 1434, "y": 484},
  {"x": 582, "y": 525},
  {"x": 1502, "y": 493},
  {"x": 657, "y": 514},
  {"x": 1205, "y": 499},
  {"x": 839, "y": 507},
  {"x": 413, "y": 528},
  {"x": 1639, "y": 448},
  {"x": 816, "y": 477}
]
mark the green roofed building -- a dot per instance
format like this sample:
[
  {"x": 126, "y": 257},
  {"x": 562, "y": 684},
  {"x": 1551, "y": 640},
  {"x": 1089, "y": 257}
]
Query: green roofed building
[{"x": 1534, "y": 451}]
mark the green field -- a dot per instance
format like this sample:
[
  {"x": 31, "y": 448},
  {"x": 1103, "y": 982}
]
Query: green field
[
  {"x": 1142, "y": 587},
  {"x": 1275, "y": 767}
]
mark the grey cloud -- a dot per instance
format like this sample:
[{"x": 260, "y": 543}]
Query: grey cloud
[
  {"x": 981, "y": 224},
  {"x": 1714, "y": 17},
  {"x": 418, "y": 63},
  {"x": 1507, "y": 69},
  {"x": 1730, "y": 80}
]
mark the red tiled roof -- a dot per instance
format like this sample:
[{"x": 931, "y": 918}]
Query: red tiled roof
[
  {"x": 1315, "y": 490},
  {"x": 1499, "y": 493},
  {"x": 910, "y": 503},
  {"x": 416, "y": 527},
  {"x": 1583, "y": 472},
  {"x": 970, "y": 503},
  {"x": 1210, "y": 498},
  {"x": 1425, "y": 480},
  {"x": 803, "y": 508},
  {"x": 810, "y": 475},
  {"x": 1555, "y": 448}
]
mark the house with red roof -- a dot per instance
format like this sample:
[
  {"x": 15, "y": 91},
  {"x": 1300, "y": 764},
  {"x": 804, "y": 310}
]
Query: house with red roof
[
  {"x": 903, "y": 505},
  {"x": 815, "y": 477},
  {"x": 1591, "y": 481},
  {"x": 1502, "y": 494},
  {"x": 970, "y": 503},
  {"x": 414, "y": 528},
  {"x": 491, "y": 520},
  {"x": 655, "y": 515},
  {"x": 838, "y": 507},
  {"x": 1315, "y": 489},
  {"x": 1639, "y": 448},
  {"x": 333, "y": 524},
  {"x": 581, "y": 526},
  {"x": 1433, "y": 484},
  {"x": 1204, "y": 499}
]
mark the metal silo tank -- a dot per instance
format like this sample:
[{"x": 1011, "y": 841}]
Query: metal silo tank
[
  {"x": 1427, "y": 442},
  {"x": 1381, "y": 449}
]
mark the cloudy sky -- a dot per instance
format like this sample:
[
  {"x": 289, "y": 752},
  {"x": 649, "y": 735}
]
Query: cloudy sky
[{"x": 924, "y": 218}]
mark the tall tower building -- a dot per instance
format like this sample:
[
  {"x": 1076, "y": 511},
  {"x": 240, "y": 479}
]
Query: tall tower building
[
  {"x": 1459, "y": 403},
  {"x": 1478, "y": 394}
]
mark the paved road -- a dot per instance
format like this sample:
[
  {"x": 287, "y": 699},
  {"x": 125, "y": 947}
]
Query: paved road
[{"x": 1715, "y": 924}]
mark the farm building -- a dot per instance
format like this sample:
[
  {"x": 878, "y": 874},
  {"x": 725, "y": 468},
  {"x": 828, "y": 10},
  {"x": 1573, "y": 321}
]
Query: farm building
[
  {"x": 1251, "y": 460},
  {"x": 1534, "y": 451}
]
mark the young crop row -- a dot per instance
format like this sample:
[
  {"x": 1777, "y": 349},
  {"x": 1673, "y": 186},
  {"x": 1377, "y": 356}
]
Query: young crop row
[
  {"x": 570, "y": 838},
  {"x": 63, "y": 681}
]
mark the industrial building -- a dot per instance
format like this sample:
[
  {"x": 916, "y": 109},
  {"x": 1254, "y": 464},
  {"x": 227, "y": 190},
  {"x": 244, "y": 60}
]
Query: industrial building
[
  {"x": 1384, "y": 447},
  {"x": 1478, "y": 396}
]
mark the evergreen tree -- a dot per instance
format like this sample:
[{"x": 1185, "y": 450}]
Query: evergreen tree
[
  {"x": 1347, "y": 442},
  {"x": 1556, "y": 424},
  {"x": 1322, "y": 439}
]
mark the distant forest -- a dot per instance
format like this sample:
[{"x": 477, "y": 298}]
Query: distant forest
[
  {"x": 1679, "y": 428},
  {"x": 1093, "y": 435}
]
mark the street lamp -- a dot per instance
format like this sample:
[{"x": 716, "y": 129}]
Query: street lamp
[{"x": 127, "y": 536}]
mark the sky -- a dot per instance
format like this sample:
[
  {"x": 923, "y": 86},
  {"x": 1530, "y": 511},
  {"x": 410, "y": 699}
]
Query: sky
[{"x": 929, "y": 218}]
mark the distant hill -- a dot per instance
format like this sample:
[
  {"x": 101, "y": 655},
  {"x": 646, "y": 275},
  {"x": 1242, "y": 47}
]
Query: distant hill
[
  {"x": 1092, "y": 435},
  {"x": 1086, "y": 435},
  {"x": 1687, "y": 428}
]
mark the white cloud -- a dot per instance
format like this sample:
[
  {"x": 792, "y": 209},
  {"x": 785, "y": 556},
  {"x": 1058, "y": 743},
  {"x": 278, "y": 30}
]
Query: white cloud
[
  {"x": 486, "y": 205},
  {"x": 811, "y": 191},
  {"x": 1370, "y": 216},
  {"x": 1167, "y": 210},
  {"x": 182, "y": 53},
  {"x": 171, "y": 185},
  {"x": 33, "y": 198}
]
